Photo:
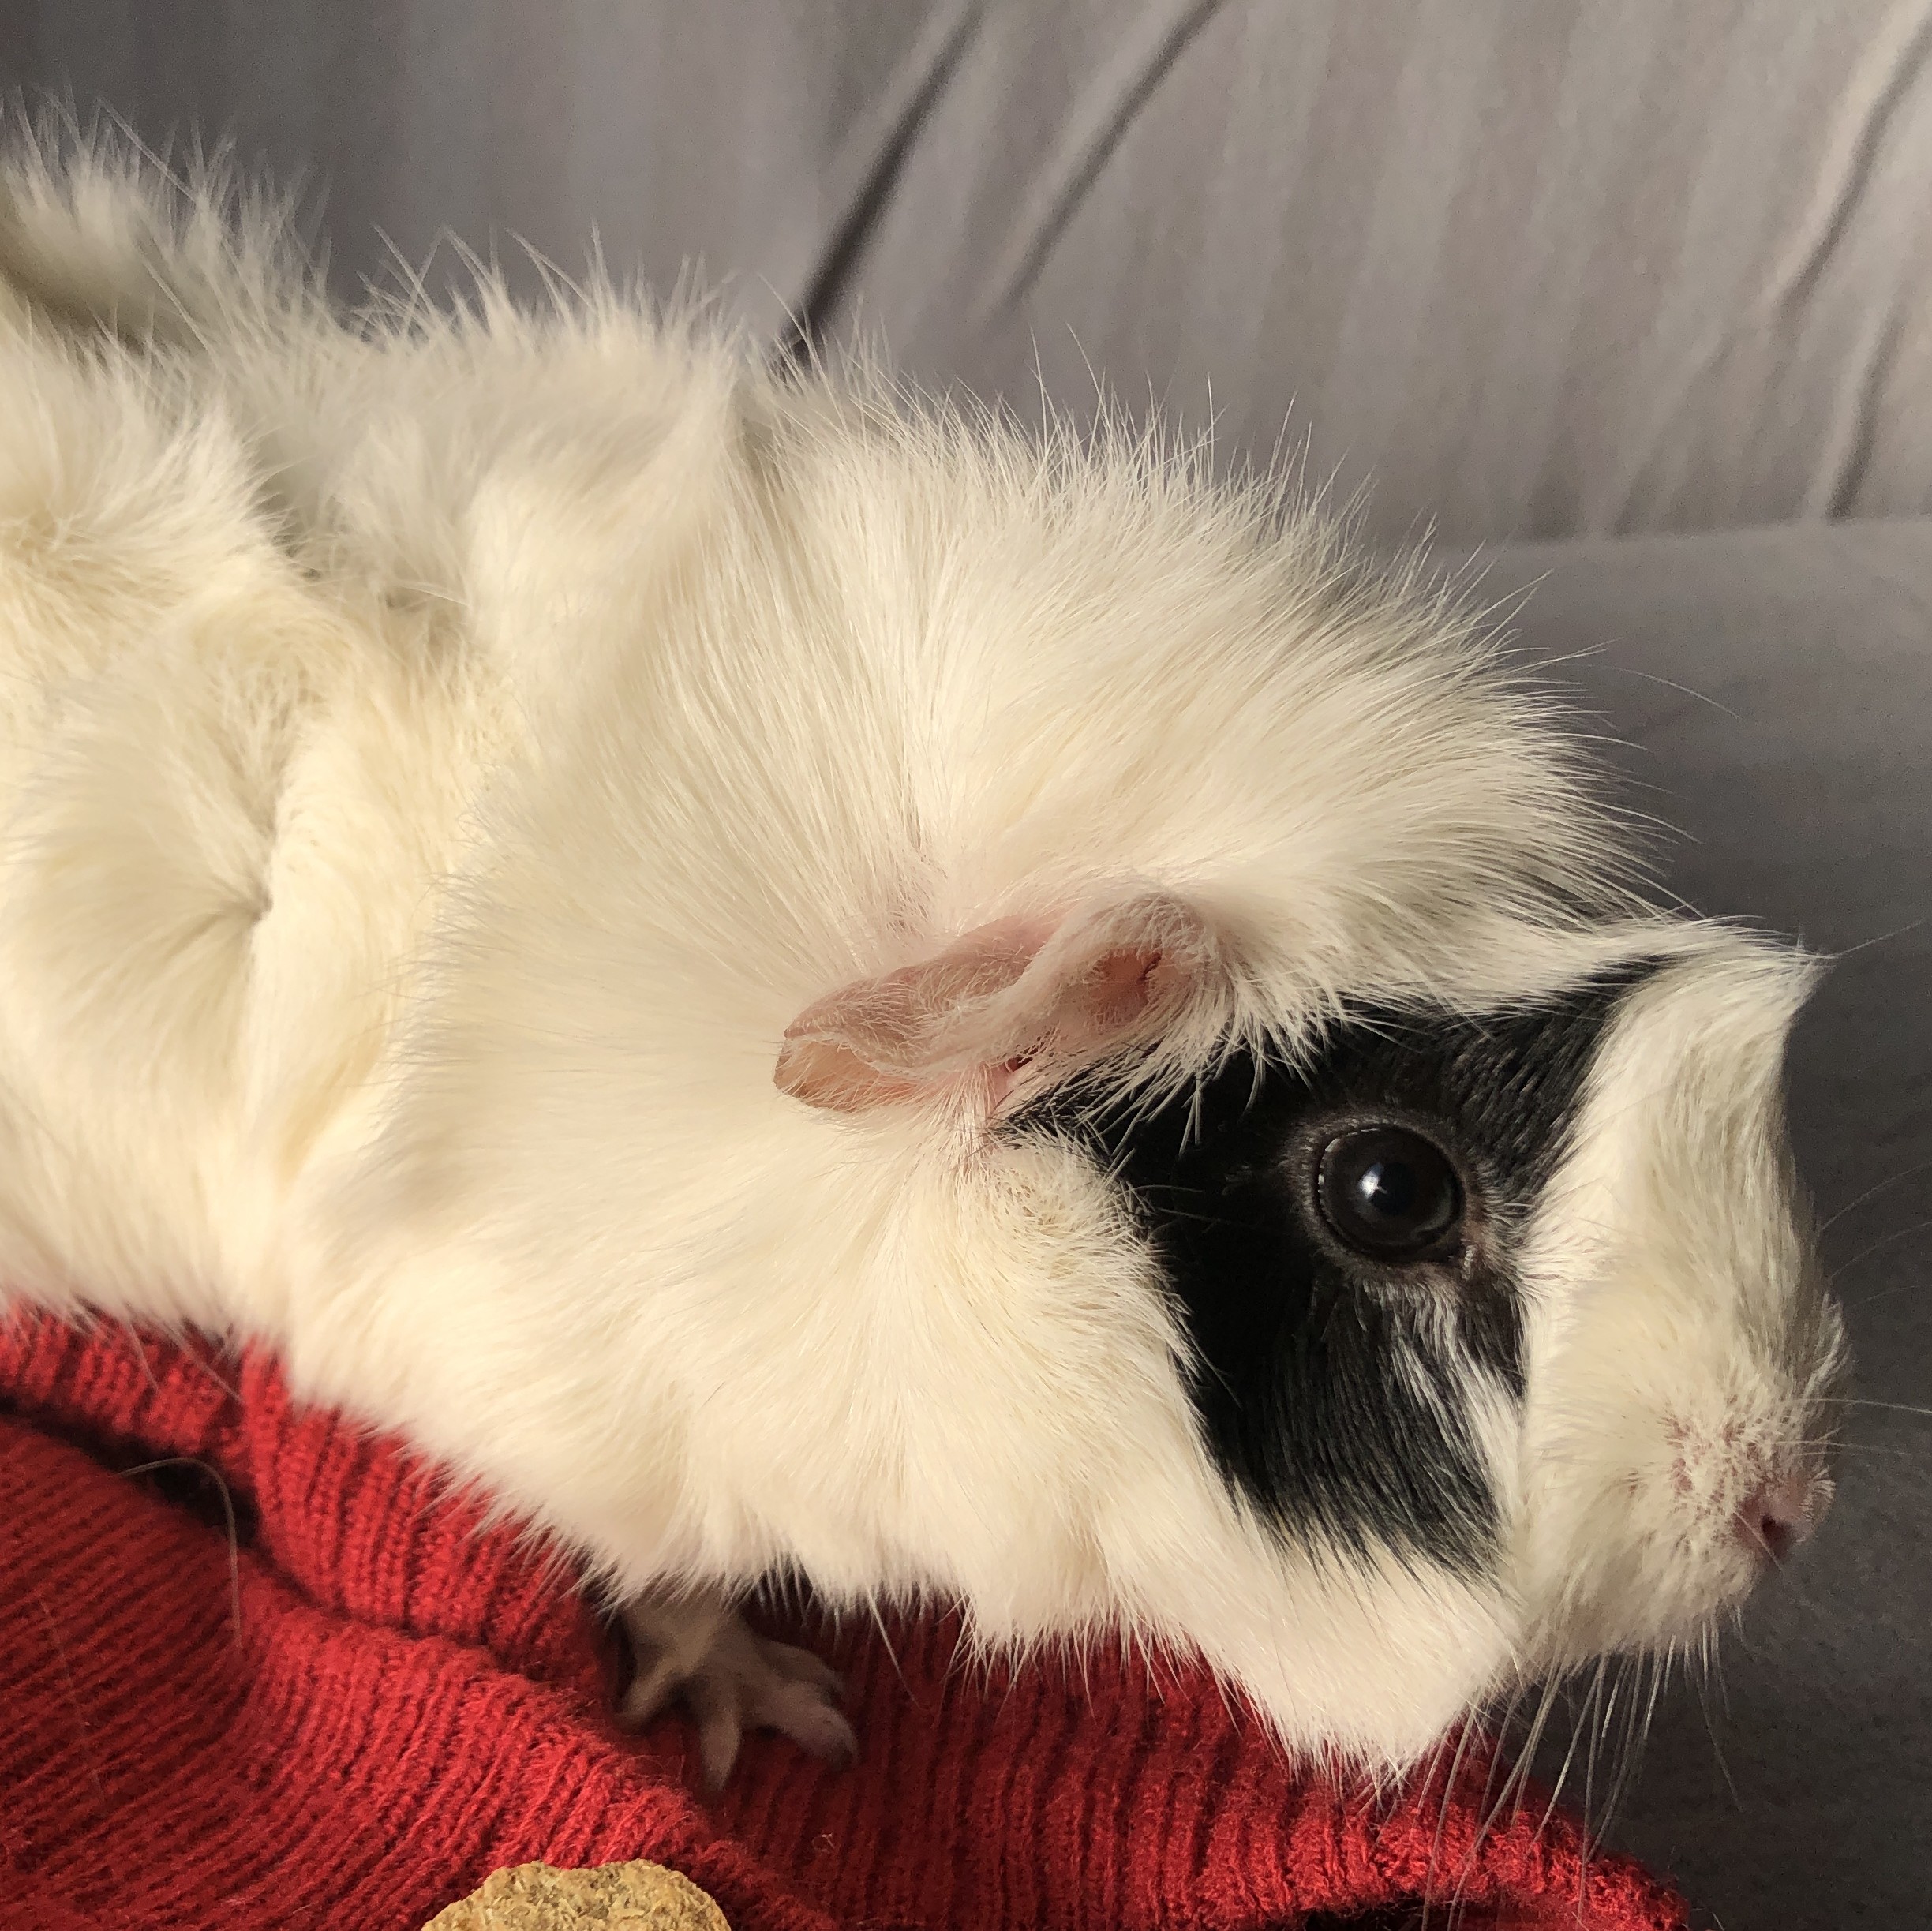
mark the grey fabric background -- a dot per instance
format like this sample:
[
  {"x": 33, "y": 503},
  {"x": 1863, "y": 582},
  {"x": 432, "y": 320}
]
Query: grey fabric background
[
  {"x": 1531, "y": 268},
  {"x": 1536, "y": 267}
]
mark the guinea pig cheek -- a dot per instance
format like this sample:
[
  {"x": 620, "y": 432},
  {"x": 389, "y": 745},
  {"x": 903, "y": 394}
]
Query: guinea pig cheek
[{"x": 1680, "y": 1350}]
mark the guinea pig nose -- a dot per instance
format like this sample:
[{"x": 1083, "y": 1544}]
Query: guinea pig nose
[{"x": 1778, "y": 1515}]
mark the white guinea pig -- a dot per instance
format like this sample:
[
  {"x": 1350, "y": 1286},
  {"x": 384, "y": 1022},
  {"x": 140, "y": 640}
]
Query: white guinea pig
[{"x": 795, "y": 986}]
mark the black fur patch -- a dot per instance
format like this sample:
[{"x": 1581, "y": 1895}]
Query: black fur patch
[{"x": 1335, "y": 1390}]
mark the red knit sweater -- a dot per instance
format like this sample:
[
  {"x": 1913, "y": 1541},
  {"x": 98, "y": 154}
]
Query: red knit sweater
[{"x": 351, "y": 1721}]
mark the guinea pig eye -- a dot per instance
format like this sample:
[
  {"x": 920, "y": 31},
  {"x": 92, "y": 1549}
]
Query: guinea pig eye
[{"x": 1391, "y": 1194}]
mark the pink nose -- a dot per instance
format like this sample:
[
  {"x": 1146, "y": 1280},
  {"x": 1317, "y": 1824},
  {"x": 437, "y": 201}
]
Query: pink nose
[{"x": 1778, "y": 1515}]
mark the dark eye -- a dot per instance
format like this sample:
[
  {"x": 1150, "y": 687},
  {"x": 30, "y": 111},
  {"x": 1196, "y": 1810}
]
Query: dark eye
[{"x": 1391, "y": 1194}]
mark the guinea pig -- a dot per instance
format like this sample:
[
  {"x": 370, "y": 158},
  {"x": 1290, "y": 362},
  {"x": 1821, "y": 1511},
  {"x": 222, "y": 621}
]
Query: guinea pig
[{"x": 796, "y": 982}]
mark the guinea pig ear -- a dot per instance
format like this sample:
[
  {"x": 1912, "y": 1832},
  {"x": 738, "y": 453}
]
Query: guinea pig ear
[{"x": 1015, "y": 998}]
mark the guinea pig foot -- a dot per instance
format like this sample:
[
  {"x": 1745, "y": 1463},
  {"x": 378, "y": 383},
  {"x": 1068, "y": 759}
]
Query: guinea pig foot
[{"x": 701, "y": 1652}]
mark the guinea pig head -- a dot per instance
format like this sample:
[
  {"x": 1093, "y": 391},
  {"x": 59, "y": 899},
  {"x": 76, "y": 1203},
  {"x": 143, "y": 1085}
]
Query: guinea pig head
[{"x": 1494, "y": 1330}]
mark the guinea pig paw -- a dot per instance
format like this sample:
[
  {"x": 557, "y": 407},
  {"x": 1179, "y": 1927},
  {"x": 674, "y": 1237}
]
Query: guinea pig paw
[{"x": 701, "y": 1652}]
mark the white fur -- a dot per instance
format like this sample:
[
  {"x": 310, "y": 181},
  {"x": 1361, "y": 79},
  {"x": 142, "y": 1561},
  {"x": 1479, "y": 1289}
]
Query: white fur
[{"x": 440, "y": 758}]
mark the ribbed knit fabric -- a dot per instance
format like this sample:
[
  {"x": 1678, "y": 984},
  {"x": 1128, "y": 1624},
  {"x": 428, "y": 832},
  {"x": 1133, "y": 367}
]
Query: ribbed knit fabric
[{"x": 351, "y": 1719}]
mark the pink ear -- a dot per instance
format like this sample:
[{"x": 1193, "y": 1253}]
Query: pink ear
[{"x": 1006, "y": 996}]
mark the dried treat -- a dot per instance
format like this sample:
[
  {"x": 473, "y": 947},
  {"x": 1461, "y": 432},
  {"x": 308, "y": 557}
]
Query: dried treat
[{"x": 623, "y": 1897}]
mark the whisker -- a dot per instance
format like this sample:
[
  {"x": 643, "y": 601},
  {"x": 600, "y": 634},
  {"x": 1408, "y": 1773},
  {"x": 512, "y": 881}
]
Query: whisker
[
  {"x": 1637, "y": 1729},
  {"x": 1871, "y": 1193},
  {"x": 1710, "y": 1729},
  {"x": 1619, "y": 1764},
  {"x": 1488, "y": 1817},
  {"x": 1898, "y": 1234},
  {"x": 1886, "y": 1294},
  {"x": 1883, "y": 938},
  {"x": 1562, "y": 1773},
  {"x": 1518, "y": 1778},
  {"x": 1600, "y": 1736},
  {"x": 1442, "y": 1822},
  {"x": 228, "y": 1511},
  {"x": 1857, "y": 1400}
]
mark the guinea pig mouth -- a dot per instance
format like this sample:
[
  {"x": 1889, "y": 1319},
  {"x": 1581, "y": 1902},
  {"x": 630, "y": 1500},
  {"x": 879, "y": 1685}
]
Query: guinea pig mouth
[
  {"x": 1781, "y": 1512},
  {"x": 1766, "y": 1503}
]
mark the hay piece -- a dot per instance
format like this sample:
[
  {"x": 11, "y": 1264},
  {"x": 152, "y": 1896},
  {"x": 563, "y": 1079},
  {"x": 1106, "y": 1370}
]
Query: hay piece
[{"x": 607, "y": 1897}]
